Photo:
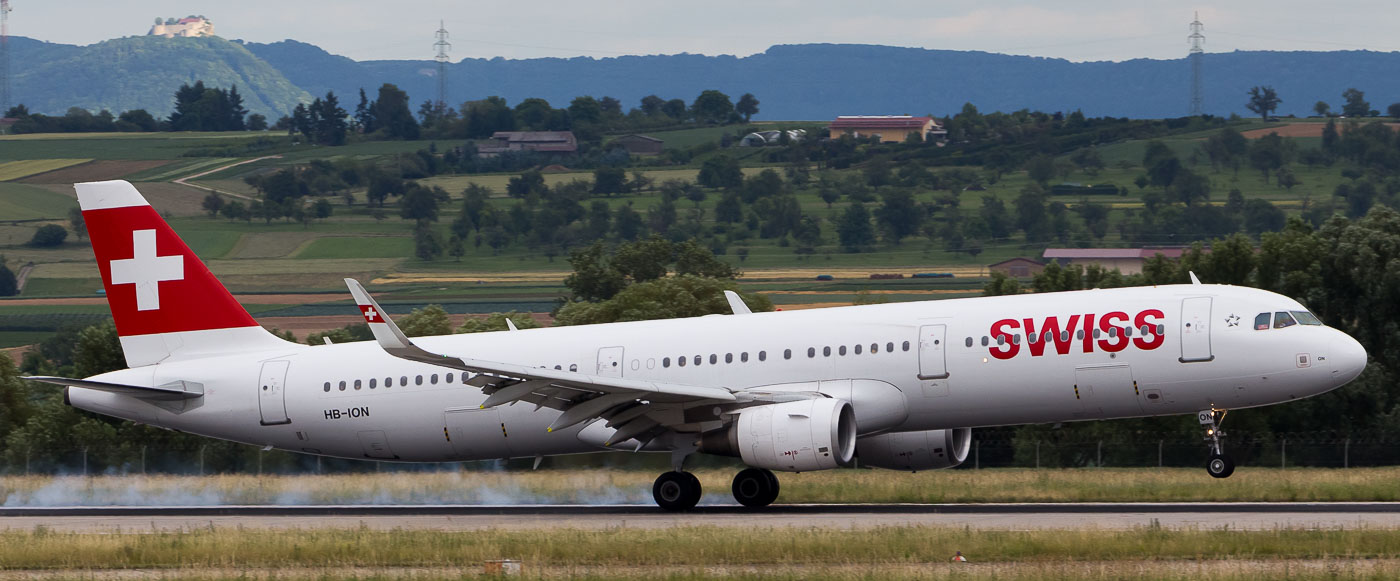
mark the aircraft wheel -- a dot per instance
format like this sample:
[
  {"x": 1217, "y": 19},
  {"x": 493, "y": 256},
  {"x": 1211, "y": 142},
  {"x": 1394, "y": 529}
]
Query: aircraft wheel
[
  {"x": 755, "y": 487},
  {"x": 676, "y": 491},
  {"x": 1220, "y": 466}
]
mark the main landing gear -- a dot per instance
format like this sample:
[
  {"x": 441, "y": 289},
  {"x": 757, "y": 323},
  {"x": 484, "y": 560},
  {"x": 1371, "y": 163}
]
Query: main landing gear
[
  {"x": 679, "y": 490},
  {"x": 1219, "y": 465}
]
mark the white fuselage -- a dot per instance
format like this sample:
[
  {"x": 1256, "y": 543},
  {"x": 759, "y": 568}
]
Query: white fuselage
[{"x": 1208, "y": 355}]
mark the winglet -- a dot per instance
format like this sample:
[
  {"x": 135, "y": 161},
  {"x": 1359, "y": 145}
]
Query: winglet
[
  {"x": 736, "y": 304},
  {"x": 511, "y": 325},
  {"x": 1194, "y": 280},
  {"x": 385, "y": 331}
]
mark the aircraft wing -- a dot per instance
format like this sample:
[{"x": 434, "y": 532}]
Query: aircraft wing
[{"x": 624, "y": 402}]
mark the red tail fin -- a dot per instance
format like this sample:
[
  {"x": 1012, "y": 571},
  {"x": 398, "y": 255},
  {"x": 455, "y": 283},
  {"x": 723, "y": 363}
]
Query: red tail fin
[{"x": 165, "y": 301}]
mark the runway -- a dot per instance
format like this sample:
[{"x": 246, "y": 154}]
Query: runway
[{"x": 1246, "y": 515}]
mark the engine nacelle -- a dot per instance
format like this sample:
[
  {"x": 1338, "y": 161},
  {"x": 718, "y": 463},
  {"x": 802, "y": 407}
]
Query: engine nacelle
[
  {"x": 914, "y": 451},
  {"x": 795, "y": 436},
  {"x": 878, "y": 405}
]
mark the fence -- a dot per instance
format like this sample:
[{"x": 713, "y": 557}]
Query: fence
[{"x": 992, "y": 448}]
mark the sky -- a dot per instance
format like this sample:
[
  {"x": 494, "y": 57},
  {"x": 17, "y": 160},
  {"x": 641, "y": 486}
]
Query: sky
[{"x": 1078, "y": 30}]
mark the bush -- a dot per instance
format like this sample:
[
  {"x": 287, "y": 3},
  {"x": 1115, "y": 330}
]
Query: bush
[{"x": 48, "y": 236}]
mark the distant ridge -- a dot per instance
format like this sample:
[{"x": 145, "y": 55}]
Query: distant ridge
[{"x": 811, "y": 81}]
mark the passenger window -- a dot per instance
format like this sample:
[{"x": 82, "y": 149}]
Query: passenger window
[
  {"x": 763, "y": 355},
  {"x": 841, "y": 350},
  {"x": 373, "y": 382},
  {"x": 698, "y": 359},
  {"x": 1261, "y": 321},
  {"x": 969, "y": 341},
  {"x": 357, "y": 384},
  {"x": 728, "y": 357},
  {"x": 906, "y": 343},
  {"x": 403, "y": 380},
  {"x": 826, "y": 351},
  {"x": 1161, "y": 329},
  {"x": 1033, "y": 338},
  {"x": 328, "y": 386},
  {"x": 714, "y": 359},
  {"x": 787, "y": 353},
  {"x": 1079, "y": 334},
  {"x": 1064, "y": 336},
  {"x": 874, "y": 347},
  {"x": 1283, "y": 319},
  {"x": 1097, "y": 334},
  {"x": 984, "y": 341},
  {"x": 418, "y": 380},
  {"x": 573, "y": 367},
  {"x": 665, "y": 361},
  {"x": 447, "y": 378},
  {"x": 559, "y": 367},
  {"x": 857, "y": 348},
  {"x": 1113, "y": 332},
  {"x": 1145, "y": 330},
  {"x": 1306, "y": 318},
  {"x": 342, "y": 386},
  {"x": 1015, "y": 340},
  {"x": 680, "y": 361},
  {"x": 811, "y": 352},
  {"x": 1001, "y": 339},
  {"x": 389, "y": 381},
  {"x": 432, "y": 379},
  {"x": 744, "y": 357},
  {"x": 889, "y": 347}
]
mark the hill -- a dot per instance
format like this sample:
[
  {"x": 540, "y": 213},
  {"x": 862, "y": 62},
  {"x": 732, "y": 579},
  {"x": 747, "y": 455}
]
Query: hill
[
  {"x": 820, "y": 81},
  {"x": 142, "y": 72}
]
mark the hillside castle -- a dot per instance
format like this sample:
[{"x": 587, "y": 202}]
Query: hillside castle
[{"x": 192, "y": 26}]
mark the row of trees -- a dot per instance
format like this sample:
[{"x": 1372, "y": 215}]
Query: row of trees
[
  {"x": 1264, "y": 100},
  {"x": 197, "y": 108}
]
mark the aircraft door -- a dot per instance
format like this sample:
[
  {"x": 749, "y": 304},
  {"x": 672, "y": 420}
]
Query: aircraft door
[
  {"x": 1107, "y": 392},
  {"x": 933, "y": 351},
  {"x": 1195, "y": 330},
  {"x": 476, "y": 434},
  {"x": 609, "y": 362},
  {"x": 272, "y": 393}
]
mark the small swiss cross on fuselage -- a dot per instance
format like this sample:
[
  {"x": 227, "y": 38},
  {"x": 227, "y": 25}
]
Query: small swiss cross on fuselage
[{"x": 371, "y": 315}]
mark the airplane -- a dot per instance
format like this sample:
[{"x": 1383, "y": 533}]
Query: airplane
[{"x": 898, "y": 386}]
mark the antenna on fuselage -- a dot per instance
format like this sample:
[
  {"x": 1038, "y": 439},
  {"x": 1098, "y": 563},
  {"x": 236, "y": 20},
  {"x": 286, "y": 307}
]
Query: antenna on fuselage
[{"x": 1194, "y": 280}]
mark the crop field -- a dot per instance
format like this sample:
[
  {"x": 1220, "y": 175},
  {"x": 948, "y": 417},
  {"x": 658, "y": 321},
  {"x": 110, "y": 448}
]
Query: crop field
[
  {"x": 24, "y": 202},
  {"x": 14, "y": 170},
  {"x": 93, "y": 171}
]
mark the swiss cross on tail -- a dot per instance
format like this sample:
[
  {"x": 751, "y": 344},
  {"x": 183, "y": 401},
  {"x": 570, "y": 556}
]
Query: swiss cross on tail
[
  {"x": 371, "y": 315},
  {"x": 154, "y": 283}
]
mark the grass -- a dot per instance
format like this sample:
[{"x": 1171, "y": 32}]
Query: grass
[
  {"x": 14, "y": 170},
  {"x": 611, "y": 486},
  {"x": 361, "y": 247},
  {"x": 114, "y": 145},
  {"x": 697, "y": 546},
  {"x": 22, "y": 202}
]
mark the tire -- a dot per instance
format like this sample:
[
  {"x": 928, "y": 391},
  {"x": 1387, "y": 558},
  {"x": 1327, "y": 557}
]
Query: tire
[
  {"x": 676, "y": 491},
  {"x": 755, "y": 487},
  {"x": 1220, "y": 466}
]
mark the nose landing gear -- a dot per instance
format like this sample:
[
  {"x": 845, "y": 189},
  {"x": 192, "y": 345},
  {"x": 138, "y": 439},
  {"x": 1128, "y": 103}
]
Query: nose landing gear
[{"x": 1219, "y": 465}]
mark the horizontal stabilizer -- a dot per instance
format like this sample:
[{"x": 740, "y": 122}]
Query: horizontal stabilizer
[{"x": 179, "y": 390}]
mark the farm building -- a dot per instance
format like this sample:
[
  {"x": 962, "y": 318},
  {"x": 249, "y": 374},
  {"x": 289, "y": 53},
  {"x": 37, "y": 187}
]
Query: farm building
[
  {"x": 889, "y": 128},
  {"x": 1018, "y": 267},
  {"x": 762, "y": 138},
  {"x": 561, "y": 142},
  {"x": 640, "y": 144},
  {"x": 1126, "y": 260}
]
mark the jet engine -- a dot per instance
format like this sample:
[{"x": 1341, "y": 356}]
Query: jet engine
[
  {"x": 794, "y": 436},
  {"x": 914, "y": 451}
]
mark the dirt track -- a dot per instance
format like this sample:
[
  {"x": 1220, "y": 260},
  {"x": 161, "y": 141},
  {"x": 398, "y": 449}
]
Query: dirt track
[{"x": 1298, "y": 130}]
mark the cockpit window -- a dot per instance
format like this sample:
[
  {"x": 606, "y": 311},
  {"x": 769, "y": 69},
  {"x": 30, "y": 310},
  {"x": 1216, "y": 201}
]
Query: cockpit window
[
  {"x": 1306, "y": 318},
  {"x": 1261, "y": 322},
  {"x": 1283, "y": 319}
]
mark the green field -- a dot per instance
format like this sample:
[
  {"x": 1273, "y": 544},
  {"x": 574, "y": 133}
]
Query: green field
[{"x": 23, "y": 202}]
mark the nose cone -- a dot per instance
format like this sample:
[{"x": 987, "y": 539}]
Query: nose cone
[{"x": 1348, "y": 359}]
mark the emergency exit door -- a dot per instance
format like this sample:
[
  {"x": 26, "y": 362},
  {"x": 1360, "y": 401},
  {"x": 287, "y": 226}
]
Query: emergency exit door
[
  {"x": 272, "y": 393},
  {"x": 1195, "y": 330},
  {"x": 933, "y": 352},
  {"x": 610, "y": 362}
]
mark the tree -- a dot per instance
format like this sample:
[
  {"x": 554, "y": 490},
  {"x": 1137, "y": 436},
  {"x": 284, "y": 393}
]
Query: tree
[
  {"x": 497, "y": 322},
  {"x": 48, "y": 236},
  {"x": 853, "y": 229},
  {"x": 1040, "y": 169},
  {"x": 1088, "y": 160},
  {"x": 391, "y": 113},
  {"x": 898, "y": 215},
  {"x": 1268, "y": 154},
  {"x": 729, "y": 209},
  {"x": 712, "y": 107},
  {"x": 1393, "y": 111},
  {"x": 427, "y": 244},
  {"x": 427, "y": 321},
  {"x": 1263, "y": 100},
  {"x": 666, "y": 298},
  {"x": 77, "y": 223},
  {"x": 257, "y": 122},
  {"x": 1322, "y": 108},
  {"x": 1262, "y": 216},
  {"x": 9, "y": 285},
  {"x": 609, "y": 180},
  {"x": 721, "y": 171},
  {"x": 747, "y": 106},
  {"x": 1356, "y": 105},
  {"x": 995, "y": 217}
]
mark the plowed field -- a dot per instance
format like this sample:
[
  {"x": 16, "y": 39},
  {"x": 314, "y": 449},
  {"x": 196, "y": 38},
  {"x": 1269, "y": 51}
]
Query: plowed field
[{"x": 95, "y": 171}]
